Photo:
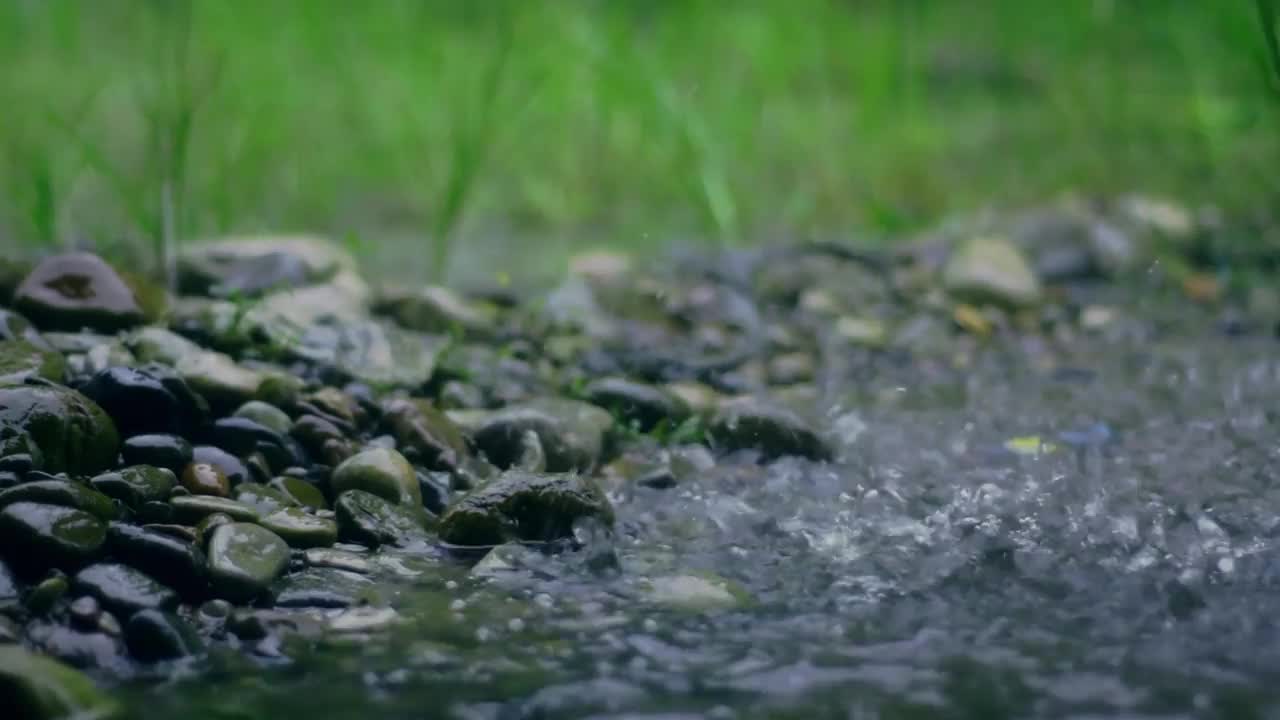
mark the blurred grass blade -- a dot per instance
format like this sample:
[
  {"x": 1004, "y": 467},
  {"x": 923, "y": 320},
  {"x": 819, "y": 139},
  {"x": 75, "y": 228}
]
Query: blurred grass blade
[{"x": 1267, "y": 18}]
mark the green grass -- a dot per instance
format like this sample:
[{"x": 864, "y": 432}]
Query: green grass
[{"x": 422, "y": 127}]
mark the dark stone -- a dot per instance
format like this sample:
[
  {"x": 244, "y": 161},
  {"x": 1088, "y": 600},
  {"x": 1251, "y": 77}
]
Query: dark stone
[
  {"x": 36, "y": 536},
  {"x": 33, "y": 687},
  {"x": 367, "y": 519},
  {"x": 524, "y": 506},
  {"x": 424, "y": 434},
  {"x": 10, "y": 591},
  {"x": 19, "y": 463},
  {"x": 244, "y": 559},
  {"x": 242, "y": 436},
  {"x": 136, "y": 486},
  {"x": 147, "y": 400},
  {"x": 124, "y": 590},
  {"x": 194, "y": 508},
  {"x": 166, "y": 451},
  {"x": 168, "y": 559},
  {"x": 773, "y": 431},
  {"x": 81, "y": 650},
  {"x": 636, "y": 403},
  {"x": 323, "y": 588},
  {"x": 572, "y": 434},
  {"x": 435, "y": 490},
  {"x": 322, "y": 439},
  {"x": 72, "y": 433},
  {"x": 66, "y": 493},
  {"x": 154, "y": 635}
]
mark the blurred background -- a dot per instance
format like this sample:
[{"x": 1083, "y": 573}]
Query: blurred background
[{"x": 437, "y": 138}]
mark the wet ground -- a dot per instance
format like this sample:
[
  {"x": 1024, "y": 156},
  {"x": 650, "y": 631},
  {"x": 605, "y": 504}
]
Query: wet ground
[{"x": 1006, "y": 539}]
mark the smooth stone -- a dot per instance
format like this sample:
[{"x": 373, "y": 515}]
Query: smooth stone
[
  {"x": 80, "y": 290},
  {"x": 19, "y": 360},
  {"x": 424, "y": 433},
  {"x": 324, "y": 588},
  {"x": 370, "y": 520},
  {"x": 193, "y": 508},
  {"x": 37, "y": 536},
  {"x": 21, "y": 463},
  {"x": 373, "y": 352},
  {"x": 301, "y": 530},
  {"x": 338, "y": 560},
  {"x": 137, "y": 485},
  {"x": 323, "y": 439},
  {"x": 166, "y": 451},
  {"x": 97, "y": 651},
  {"x": 231, "y": 466},
  {"x": 172, "y": 561},
  {"x": 435, "y": 309},
  {"x": 85, "y": 613},
  {"x": 266, "y": 415},
  {"x": 636, "y": 403},
  {"x": 15, "y": 327},
  {"x": 772, "y": 430},
  {"x": 263, "y": 498},
  {"x": 73, "y": 434},
  {"x": 242, "y": 437},
  {"x": 991, "y": 270},
  {"x": 363, "y": 620},
  {"x": 213, "y": 375},
  {"x": 147, "y": 400},
  {"x": 244, "y": 559},
  {"x": 299, "y": 491},
  {"x": 186, "y": 533},
  {"x": 520, "y": 505},
  {"x": 572, "y": 433},
  {"x": 33, "y": 687},
  {"x": 205, "y": 479},
  {"x": 435, "y": 489},
  {"x": 124, "y": 590},
  {"x": 251, "y": 265},
  {"x": 204, "y": 529},
  {"x": 153, "y": 635},
  {"x": 381, "y": 471},
  {"x": 66, "y": 493}
]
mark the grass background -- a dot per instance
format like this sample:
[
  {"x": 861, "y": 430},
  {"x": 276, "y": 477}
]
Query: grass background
[{"x": 435, "y": 135}]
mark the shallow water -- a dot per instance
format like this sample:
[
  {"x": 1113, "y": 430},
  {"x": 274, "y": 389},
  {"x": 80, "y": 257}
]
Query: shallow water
[{"x": 1125, "y": 566}]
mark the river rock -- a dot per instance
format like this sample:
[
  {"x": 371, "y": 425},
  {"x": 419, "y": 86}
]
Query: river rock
[
  {"x": 15, "y": 327},
  {"x": 38, "y": 536},
  {"x": 266, "y": 415},
  {"x": 171, "y": 452},
  {"x": 300, "y": 529},
  {"x": 228, "y": 464},
  {"x": 572, "y": 433},
  {"x": 369, "y": 351},
  {"x": 175, "y": 562},
  {"x": 436, "y": 309},
  {"x": 774, "y": 431},
  {"x": 991, "y": 270},
  {"x": 80, "y": 290},
  {"x": 205, "y": 479},
  {"x": 244, "y": 559},
  {"x": 148, "y": 399},
  {"x": 636, "y": 403},
  {"x": 300, "y": 492},
  {"x": 370, "y": 520},
  {"x": 324, "y": 588},
  {"x": 249, "y": 266},
  {"x": 153, "y": 635},
  {"x": 194, "y": 508},
  {"x": 381, "y": 471},
  {"x": 123, "y": 590},
  {"x": 214, "y": 375},
  {"x": 66, "y": 493},
  {"x": 520, "y": 505},
  {"x": 424, "y": 433},
  {"x": 33, "y": 687},
  {"x": 137, "y": 485},
  {"x": 73, "y": 434}
]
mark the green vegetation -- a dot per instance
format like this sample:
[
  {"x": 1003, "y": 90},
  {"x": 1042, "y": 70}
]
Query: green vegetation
[{"x": 135, "y": 124}]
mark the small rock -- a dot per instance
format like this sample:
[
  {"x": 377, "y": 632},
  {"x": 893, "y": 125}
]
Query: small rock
[
  {"x": 424, "y": 433},
  {"x": 524, "y": 506},
  {"x": 46, "y": 594},
  {"x": 324, "y": 588},
  {"x": 244, "y": 559},
  {"x": 172, "y": 561},
  {"x": 381, "y": 471},
  {"x": 136, "y": 486},
  {"x": 38, "y": 536},
  {"x": 637, "y": 403},
  {"x": 267, "y": 415},
  {"x": 85, "y": 612},
  {"x": 123, "y": 590},
  {"x": 19, "y": 360},
  {"x": 748, "y": 423},
  {"x": 229, "y": 465},
  {"x": 73, "y": 434},
  {"x": 436, "y": 309},
  {"x": 572, "y": 433},
  {"x": 301, "y": 530},
  {"x": 166, "y": 451},
  {"x": 370, "y": 520},
  {"x": 205, "y": 479},
  {"x": 300, "y": 492},
  {"x": 155, "y": 635},
  {"x": 9, "y": 591},
  {"x": 263, "y": 498},
  {"x": 193, "y": 508},
  {"x": 66, "y": 493},
  {"x": 147, "y": 399},
  {"x": 80, "y": 290},
  {"x": 338, "y": 560},
  {"x": 991, "y": 270},
  {"x": 39, "y": 688}
]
